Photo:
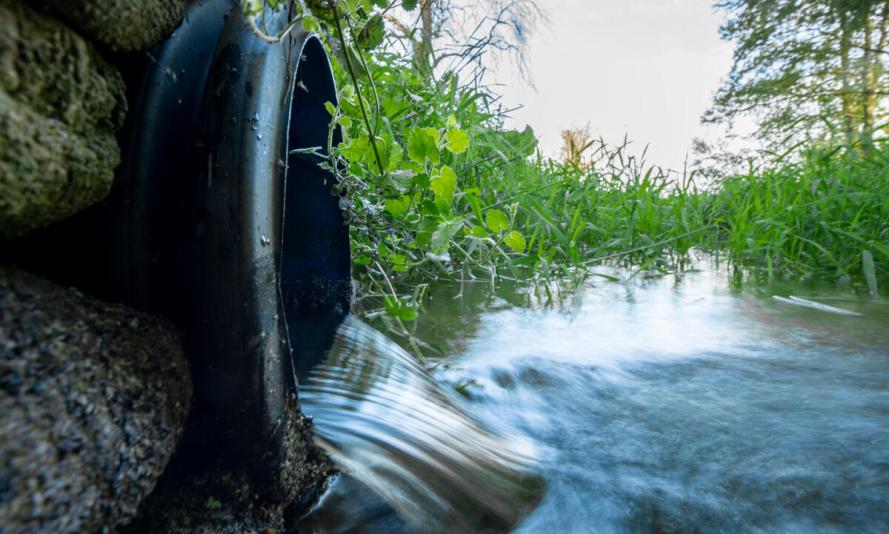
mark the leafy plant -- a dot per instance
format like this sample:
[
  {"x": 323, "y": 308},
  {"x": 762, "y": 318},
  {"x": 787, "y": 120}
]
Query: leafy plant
[{"x": 436, "y": 188}]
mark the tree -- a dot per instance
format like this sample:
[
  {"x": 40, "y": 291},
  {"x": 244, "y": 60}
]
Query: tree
[
  {"x": 438, "y": 38},
  {"x": 806, "y": 69}
]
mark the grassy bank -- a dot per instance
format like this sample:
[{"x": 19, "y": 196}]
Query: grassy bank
[{"x": 436, "y": 188}]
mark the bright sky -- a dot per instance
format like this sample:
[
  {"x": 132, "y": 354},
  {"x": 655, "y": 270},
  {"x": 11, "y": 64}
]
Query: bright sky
[{"x": 647, "y": 68}]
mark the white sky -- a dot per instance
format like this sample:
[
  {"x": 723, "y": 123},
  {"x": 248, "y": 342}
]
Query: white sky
[{"x": 646, "y": 68}]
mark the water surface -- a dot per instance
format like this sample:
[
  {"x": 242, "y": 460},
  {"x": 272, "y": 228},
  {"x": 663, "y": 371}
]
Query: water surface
[{"x": 668, "y": 404}]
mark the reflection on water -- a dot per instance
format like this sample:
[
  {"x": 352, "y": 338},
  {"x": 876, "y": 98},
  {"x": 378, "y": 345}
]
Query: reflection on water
[
  {"x": 388, "y": 424},
  {"x": 674, "y": 404}
]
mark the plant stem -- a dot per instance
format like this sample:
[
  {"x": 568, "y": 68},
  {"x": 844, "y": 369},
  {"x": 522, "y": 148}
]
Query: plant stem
[{"x": 348, "y": 60}]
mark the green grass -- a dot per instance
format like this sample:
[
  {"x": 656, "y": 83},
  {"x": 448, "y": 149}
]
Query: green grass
[
  {"x": 441, "y": 190},
  {"x": 820, "y": 217},
  {"x": 436, "y": 188}
]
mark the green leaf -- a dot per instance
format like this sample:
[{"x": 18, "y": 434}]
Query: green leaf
[
  {"x": 409, "y": 5},
  {"x": 524, "y": 142},
  {"x": 496, "y": 220},
  {"x": 359, "y": 151},
  {"x": 422, "y": 145},
  {"x": 330, "y": 108},
  {"x": 444, "y": 186},
  {"x": 870, "y": 272},
  {"x": 515, "y": 241},
  {"x": 399, "y": 309},
  {"x": 372, "y": 34},
  {"x": 446, "y": 230},
  {"x": 252, "y": 8},
  {"x": 399, "y": 262},
  {"x": 390, "y": 151},
  {"x": 397, "y": 207},
  {"x": 347, "y": 92},
  {"x": 457, "y": 140},
  {"x": 310, "y": 23},
  {"x": 478, "y": 231}
]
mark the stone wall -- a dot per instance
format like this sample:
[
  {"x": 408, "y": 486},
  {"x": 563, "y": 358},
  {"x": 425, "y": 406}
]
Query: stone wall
[
  {"x": 94, "y": 397},
  {"x": 60, "y": 105},
  {"x": 121, "y": 25},
  {"x": 93, "y": 400}
]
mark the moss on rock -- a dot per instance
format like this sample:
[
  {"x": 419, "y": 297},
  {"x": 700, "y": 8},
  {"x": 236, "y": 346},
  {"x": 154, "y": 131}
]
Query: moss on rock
[
  {"x": 121, "y": 25},
  {"x": 60, "y": 105},
  {"x": 93, "y": 400}
]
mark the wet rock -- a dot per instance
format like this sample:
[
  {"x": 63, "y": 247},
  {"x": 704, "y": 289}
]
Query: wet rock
[
  {"x": 93, "y": 400},
  {"x": 121, "y": 25},
  {"x": 60, "y": 105}
]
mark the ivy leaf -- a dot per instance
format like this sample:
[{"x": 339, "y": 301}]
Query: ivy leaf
[
  {"x": 422, "y": 145},
  {"x": 444, "y": 186},
  {"x": 409, "y": 5},
  {"x": 457, "y": 140},
  {"x": 444, "y": 233},
  {"x": 496, "y": 220},
  {"x": 372, "y": 34},
  {"x": 515, "y": 241}
]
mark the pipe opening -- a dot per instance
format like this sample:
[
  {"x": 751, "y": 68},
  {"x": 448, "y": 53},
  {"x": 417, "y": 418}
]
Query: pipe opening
[{"x": 314, "y": 265}]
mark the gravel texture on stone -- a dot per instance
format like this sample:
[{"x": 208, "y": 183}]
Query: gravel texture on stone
[
  {"x": 60, "y": 105},
  {"x": 93, "y": 400},
  {"x": 121, "y": 25}
]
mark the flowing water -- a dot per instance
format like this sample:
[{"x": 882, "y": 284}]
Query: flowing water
[{"x": 673, "y": 404}]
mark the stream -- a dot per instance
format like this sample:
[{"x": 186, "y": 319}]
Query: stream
[{"x": 675, "y": 403}]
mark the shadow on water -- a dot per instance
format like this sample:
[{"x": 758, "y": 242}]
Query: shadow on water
[
  {"x": 676, "y": 404},
  {"x": 388, "y": 424}
]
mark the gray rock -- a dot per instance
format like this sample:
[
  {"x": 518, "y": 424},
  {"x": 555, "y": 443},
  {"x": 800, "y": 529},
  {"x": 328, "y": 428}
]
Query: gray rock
[
  {"x": 121, "y": 25},
  {"x": 93, "y": 400},
  {"x": 60, "y": 105}
]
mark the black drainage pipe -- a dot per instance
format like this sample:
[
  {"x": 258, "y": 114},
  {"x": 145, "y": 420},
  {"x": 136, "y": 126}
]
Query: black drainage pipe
[{"x": 222, "y": 227}]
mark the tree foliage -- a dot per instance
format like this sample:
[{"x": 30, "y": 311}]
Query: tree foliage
[{"x": 806, "y": 69}]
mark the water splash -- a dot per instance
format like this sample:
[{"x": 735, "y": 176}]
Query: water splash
[{"x": 388, "y": 424}]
